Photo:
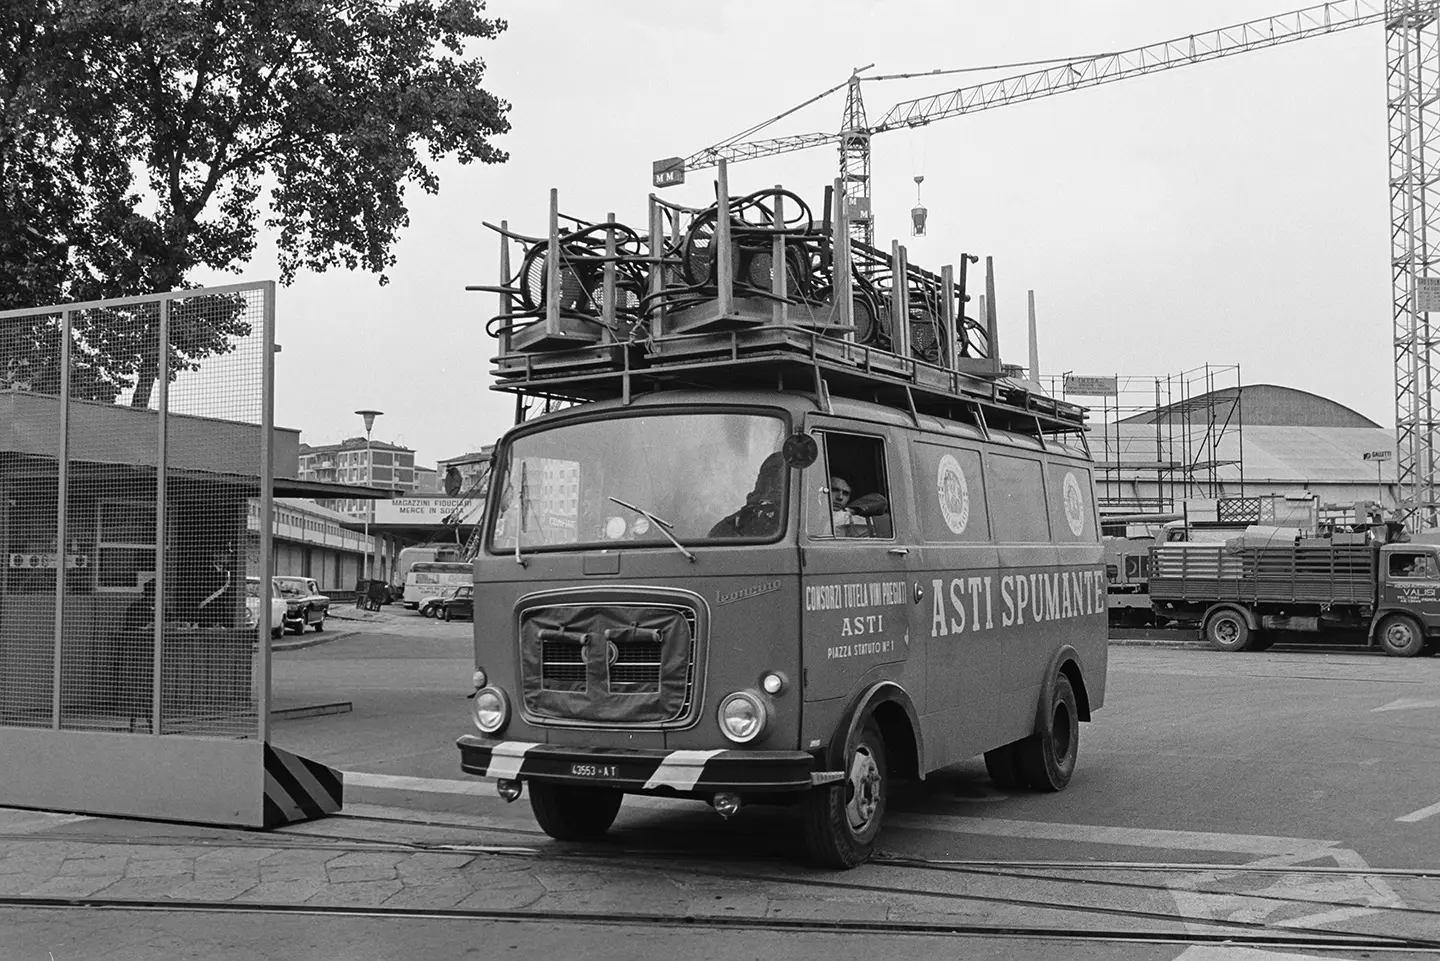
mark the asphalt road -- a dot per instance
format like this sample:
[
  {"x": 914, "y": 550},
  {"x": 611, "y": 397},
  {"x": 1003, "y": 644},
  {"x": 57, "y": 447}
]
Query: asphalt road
[
  {"x": 1233, "y": 772},
  {"x": 1326, "y": 746}
]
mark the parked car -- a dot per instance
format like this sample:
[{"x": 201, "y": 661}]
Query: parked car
[
  {"x": 304, "y": 604},
  {"x": 252, "y": 606},
  {"x": 430, "y": 607},
  {"x": 460, "y": 604}
]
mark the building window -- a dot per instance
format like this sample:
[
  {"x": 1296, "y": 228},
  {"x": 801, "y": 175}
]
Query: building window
[{"x": 124, "y": 544}]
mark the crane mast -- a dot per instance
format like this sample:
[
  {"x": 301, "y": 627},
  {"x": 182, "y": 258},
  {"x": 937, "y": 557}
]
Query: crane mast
[
  {"x": 1413, "y": 108},
  {"x": 1412, "y": 85},
  {"x": 855, "y": 164}
]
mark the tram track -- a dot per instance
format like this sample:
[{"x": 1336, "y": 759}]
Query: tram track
[
  {"x": 741, "y": 868},
  {"x": 1230, "y": 938},
  {"x": 290, "y": 838}
]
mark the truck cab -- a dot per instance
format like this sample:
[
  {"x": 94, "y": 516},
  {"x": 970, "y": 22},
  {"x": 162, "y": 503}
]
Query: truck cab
[{"x": 1407, "y": 609}]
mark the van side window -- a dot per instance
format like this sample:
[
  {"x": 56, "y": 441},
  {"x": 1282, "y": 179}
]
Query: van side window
[
  {"x": 848, "y": 488},
  {"x": 1072, "y": 502},
  {"x": 950, "y": 493},
  {"x": 1412, "y": 565},
  {"x": 1017, "y": 499}
]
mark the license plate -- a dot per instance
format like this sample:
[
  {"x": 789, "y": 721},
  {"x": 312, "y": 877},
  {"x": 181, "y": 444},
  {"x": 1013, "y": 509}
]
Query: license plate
[{"x": 594, "y": 770}]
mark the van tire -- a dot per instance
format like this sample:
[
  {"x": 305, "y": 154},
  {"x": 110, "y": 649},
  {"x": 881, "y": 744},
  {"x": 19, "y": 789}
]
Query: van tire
[
  {"x": 1003, "y": 766},
  {"x": 1400, "y": 636},
  {"x": 841, "y": 821},
  {"x": 1047, "y": 758},
  {"x": 570, "y": 813},
  {"x": 1226, "y": 630}
]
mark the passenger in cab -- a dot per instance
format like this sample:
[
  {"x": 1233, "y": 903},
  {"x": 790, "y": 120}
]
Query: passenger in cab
[{"x": 865, "y": 516}]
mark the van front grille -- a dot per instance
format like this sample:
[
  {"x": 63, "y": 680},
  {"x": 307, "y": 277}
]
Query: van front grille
[
  {"x": 636, "y": 666},
  {"x": 599, "y": 664},
  {"x": 562, "y": 666}
]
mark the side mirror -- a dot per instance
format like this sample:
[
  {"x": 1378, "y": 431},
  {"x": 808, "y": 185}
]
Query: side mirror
[{"x": 800, "y": 450}]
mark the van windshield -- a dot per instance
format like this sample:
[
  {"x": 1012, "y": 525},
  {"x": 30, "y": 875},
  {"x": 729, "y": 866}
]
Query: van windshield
[{"x": 710, "y": 476}]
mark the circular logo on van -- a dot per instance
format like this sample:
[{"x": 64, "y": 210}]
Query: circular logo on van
[
  {"x": 954, "y": 495},
  {"x": 1074, "y": 505}
]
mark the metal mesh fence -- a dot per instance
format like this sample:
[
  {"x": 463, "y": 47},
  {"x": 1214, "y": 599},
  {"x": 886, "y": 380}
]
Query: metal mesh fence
[{"x": 158, "y": 458}]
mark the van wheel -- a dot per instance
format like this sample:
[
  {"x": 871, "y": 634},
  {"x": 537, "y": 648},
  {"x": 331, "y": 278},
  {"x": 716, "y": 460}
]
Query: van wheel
[
  {"x": 320, "y": 625},
  {"x": 1227, "y": 631},
  {"x": 841, "y": 821},
  {"x": 1047, "y": 759},
  {"x": 1003, "y": 766},
  {"x": 1400, "y": 636},
  {"x": 569, "y": 813}
]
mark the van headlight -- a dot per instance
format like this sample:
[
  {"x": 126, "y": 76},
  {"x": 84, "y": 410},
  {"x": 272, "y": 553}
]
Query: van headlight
[
  {"x": 492, "y": 710},
  {"x": 742, "y": 717}
]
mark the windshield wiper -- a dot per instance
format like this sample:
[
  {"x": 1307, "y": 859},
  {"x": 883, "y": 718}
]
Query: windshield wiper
[{"x": 664, "y": 526}]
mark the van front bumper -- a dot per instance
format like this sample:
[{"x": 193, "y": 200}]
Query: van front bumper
[{"x": 640, "y": 771}]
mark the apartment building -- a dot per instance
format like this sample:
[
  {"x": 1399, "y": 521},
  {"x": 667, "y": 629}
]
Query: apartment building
[{"x": 352, "y": 461}]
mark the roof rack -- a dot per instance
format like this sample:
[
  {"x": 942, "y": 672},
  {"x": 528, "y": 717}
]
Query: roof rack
[{"x": 601, "y": 311}]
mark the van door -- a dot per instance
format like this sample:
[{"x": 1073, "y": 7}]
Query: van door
[{"x": 857, "y": 602}]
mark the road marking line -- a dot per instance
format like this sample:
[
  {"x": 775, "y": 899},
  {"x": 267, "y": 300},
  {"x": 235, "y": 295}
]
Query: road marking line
[
  {"x": 1212, "y": 952},
  {"x": 426, "y": 785},
  {"x": 1406, "y": 704},
  {"x": 1256, "y": 844},
  {"x": 1421, "y": 814},
  {"x": 1339, "y": 898},
  {"x": 22, "y": 821},
  {"x": 444, "y": 819}
]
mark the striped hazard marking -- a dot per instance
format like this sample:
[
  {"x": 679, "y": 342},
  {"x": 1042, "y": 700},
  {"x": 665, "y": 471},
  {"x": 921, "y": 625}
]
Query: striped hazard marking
[{"x": 298, "y": 789}]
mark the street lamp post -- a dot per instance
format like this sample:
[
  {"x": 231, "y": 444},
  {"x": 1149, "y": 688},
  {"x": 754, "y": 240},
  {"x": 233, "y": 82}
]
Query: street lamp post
[{"x": 369, "y": 416}]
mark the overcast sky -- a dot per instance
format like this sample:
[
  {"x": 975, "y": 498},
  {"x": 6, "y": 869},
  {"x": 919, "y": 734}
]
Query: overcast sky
[{"x": 1230, "y": 213}]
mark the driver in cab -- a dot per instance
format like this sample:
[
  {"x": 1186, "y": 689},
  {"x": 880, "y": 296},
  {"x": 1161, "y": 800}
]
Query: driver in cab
[{"x": 857, "y": 517}]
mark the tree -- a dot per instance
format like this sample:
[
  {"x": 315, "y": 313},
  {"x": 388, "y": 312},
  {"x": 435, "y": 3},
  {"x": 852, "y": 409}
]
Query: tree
[{"x": 332, "y": 108}]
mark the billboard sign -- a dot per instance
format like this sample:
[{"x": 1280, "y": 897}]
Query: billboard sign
[
  {"x": 423, "y": 510},
  {"x": 1091, "y": 386}
]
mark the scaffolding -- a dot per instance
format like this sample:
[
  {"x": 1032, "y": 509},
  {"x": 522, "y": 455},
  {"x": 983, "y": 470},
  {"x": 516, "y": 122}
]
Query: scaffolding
[{"x": 1160, "y": 440}]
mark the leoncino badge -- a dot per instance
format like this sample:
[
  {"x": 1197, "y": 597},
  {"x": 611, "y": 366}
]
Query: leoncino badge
[
  {"x": 954, "y": 495},
  {"x": 745, "y": 593},
  {"x": 1074, "y": 505}
]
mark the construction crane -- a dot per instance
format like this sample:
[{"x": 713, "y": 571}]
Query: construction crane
[{"x": 1413, "y": 104}]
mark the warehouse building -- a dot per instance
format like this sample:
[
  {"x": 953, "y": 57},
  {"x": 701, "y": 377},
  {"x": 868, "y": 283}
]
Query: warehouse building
[{"x": 1254, "y": 440}]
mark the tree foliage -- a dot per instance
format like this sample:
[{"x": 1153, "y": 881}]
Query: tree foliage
[{"x": 141, "y": 140}]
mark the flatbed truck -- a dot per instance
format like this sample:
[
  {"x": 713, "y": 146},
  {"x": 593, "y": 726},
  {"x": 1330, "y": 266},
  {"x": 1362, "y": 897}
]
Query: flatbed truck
[{"x": 1242, "y": 597}]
